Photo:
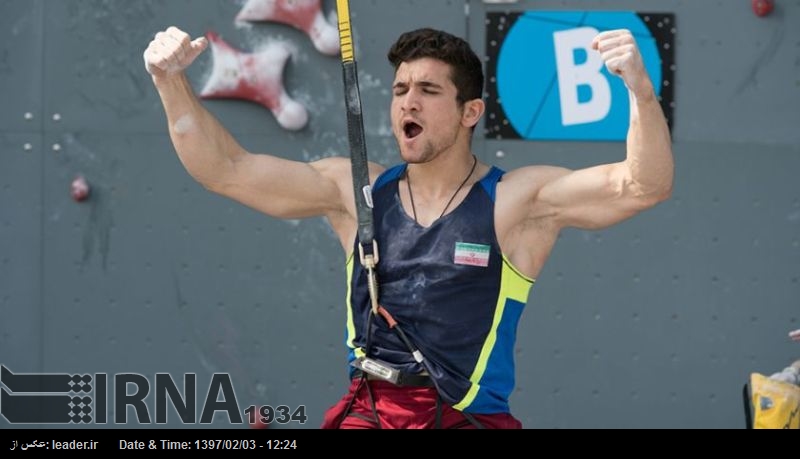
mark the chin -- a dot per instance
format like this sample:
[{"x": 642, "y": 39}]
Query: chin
[
  {"x": 405, "y": 155},
  {"x": 412, "y": 158},
  {"x": 422, "y": 153}
]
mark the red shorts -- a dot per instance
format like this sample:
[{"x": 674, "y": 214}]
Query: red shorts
[{"x": 404, "y": 408}]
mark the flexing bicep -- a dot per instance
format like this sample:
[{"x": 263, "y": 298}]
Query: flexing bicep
[
  {"x": 285, "y": 188},
  {"x": 593, "y": 198}
]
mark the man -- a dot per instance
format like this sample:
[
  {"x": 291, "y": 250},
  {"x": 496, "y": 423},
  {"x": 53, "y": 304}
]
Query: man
[{"x": 460, "y": 242}]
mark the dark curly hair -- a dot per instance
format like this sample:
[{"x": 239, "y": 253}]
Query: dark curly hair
[{"x": 467, "y": 71}]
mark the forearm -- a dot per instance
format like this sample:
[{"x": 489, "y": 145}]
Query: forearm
[
  {"x": 649, "y": 146},
  {"x": 204, "y": 146}
]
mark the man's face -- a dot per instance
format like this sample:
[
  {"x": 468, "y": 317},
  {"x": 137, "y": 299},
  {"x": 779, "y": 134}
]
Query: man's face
[{"x": 426, "y": 117}]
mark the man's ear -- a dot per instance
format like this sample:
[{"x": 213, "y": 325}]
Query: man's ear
[{"x": 473, "y": 111}]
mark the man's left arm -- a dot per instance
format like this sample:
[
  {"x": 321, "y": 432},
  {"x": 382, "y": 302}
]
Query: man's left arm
[{"x": 601, "y": 196}]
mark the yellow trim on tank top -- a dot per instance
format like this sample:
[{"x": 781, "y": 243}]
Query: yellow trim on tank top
[{"x": 513, "y": 285}]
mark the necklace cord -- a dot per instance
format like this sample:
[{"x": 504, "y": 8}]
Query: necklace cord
[{"x": 466, "y": 179}]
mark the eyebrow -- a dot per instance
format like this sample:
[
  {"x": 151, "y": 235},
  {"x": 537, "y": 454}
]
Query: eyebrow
[{"x": 423, "y": 84}]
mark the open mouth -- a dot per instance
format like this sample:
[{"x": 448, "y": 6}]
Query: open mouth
[{"x": 411, "y": 129}]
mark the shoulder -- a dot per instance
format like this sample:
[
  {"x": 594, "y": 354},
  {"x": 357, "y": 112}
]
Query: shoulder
[
  {"x": 375, "y": 171},
  {"x": 528, "y": 181},
  {"x": 340, "y": 169},
  {"x": 386, "y": 176},
  {"x": 520, "y": 197}
]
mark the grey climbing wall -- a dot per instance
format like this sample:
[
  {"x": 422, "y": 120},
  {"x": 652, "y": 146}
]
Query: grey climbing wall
[{"x": 654, "y": 323}]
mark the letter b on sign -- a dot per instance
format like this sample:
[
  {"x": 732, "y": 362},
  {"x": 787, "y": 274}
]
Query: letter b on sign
[{"x": 573, "y": 76}]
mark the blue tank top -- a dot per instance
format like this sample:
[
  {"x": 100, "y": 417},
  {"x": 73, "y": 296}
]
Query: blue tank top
[{"x": 452, "y": 291}]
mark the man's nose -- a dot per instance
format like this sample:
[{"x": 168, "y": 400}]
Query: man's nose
[{"x": 411, "y": 101}]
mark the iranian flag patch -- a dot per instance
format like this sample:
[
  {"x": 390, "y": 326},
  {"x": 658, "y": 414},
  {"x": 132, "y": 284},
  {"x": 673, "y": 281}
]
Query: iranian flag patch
[{"x": 472, "y": 254}]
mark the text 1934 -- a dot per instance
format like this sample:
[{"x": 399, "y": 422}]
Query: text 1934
[{"x": 280, "y": 414}]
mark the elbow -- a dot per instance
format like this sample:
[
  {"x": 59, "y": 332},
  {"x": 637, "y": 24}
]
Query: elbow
[
  {"x": 643, "y": 196},
  {"x": 653, "y": 191},
  {"x": 215, "y": 176},
  {"x": 209, "y": 181},
  {"x": 210, "y": 186},
  {"x": 657, "y": 196},
  {"x": 664, "y": 191},
  {"x": 649, "y": 197},
  {"x": 665, "y": 194},
  {"x": 215, "y": 185},
  {"x": 661, "y": 193}
]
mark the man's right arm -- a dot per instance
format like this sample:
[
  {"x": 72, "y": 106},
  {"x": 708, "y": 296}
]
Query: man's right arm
[{"x": 272, "y": 185}]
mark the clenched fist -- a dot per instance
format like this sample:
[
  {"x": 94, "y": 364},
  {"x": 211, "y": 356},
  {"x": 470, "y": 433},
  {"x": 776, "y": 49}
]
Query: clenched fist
[
  {"x": 621, "y": 56},
  {"x": 171, "y": 51}
]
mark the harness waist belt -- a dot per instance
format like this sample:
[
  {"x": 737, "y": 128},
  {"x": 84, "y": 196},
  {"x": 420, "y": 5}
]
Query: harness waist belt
[{"x": 405, "y": 379}]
